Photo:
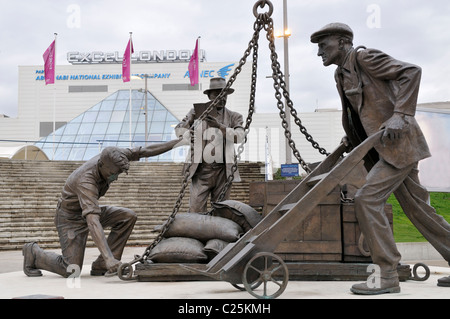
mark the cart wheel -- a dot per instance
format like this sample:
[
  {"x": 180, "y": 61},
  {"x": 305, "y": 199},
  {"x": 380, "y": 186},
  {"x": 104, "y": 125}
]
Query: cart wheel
[{"x": 270, "y": 270}]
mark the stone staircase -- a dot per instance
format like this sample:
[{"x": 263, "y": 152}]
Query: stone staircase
[{"x": 29, "y": 191}]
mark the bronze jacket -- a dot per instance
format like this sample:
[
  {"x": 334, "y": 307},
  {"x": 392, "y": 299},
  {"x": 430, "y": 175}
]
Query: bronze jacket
[
  {"x": 234, "y": 134},
  {"x": 85, "y": 186},
  {"x": 372, "y": 86}
]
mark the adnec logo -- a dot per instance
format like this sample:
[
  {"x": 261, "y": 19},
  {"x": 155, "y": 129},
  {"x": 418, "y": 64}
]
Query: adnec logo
[{"x": 223, "y": 72}]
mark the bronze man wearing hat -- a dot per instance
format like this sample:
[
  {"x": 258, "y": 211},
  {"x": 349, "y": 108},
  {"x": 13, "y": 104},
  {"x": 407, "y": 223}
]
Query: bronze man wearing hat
[
  {"x": 79, "y": 213},
  {"x": 214, "y": 150},
  {"x": 379, "y": 92}
]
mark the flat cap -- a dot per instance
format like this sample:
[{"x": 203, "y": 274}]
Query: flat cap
[{"x": 335, "y": 28}]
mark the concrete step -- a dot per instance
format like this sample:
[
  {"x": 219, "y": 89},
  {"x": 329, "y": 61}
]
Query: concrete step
[{"x": 29, "y": 192}]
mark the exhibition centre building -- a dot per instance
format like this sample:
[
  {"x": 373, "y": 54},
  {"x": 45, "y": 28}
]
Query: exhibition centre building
[{"x": 90, "y": 107}]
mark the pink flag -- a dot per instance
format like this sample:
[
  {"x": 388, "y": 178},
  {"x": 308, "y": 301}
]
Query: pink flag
[
  {"x": 194, "y": 66},
  {"x": 126, "y": 63},
  {"x": 49, "y": 64}
]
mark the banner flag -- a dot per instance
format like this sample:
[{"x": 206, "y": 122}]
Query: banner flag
[
  {"x": 126, "y": 63},
  {"x": 194, "y": 66},
  {"x": 49, "y": 64}
]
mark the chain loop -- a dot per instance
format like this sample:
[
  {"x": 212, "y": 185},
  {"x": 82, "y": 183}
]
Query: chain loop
[{"x": 262, "y": 4}]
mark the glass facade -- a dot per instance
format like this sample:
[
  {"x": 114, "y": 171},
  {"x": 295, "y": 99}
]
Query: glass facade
[{"x": 108, "y": 124}]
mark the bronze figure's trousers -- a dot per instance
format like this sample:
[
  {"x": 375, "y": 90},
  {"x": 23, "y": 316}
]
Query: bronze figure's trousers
[
  {"x": 209, "y": 179},
  {"x": 73, "y": 234},
  {"x": 382, "y": 180}
]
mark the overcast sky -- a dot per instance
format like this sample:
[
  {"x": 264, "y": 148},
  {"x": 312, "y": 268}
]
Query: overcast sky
[{"x": 415, "y": 31}]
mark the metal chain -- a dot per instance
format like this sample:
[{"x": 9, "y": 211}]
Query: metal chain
[
  {"x": 279, "y": 83},
  {"x": 177, "y": 205},
  {"x": 258, "y": 26},
  {"x": 253, "y": 44},
  {"x": 263, "y": 21}
]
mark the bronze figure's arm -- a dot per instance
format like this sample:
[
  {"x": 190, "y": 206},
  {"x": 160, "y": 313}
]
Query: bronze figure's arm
[
  {"x": 99, "y": 238},
  {"x": 160, "y": 148}
]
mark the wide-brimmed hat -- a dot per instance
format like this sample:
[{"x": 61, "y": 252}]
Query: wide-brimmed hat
[
  {"x": 218, "y": 84},
  {"x": 335, "y": 28}
]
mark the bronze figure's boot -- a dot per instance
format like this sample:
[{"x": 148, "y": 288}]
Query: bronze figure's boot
[
  {"x": 29, "y": 259},
  {"x": 444, "y": 282},
  {"x": 36, "y": 258},
  {"x": 388, "y": 284},
  {"x": 98, "y": 267}
]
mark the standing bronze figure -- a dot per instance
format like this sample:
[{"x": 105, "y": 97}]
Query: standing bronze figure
[
  {"x": 214, "y": 149},
  {"x": 379, "y": 92},
  {"x": 79, "y": 213}
]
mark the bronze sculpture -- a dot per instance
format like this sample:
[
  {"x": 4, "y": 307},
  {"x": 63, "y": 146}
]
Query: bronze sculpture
[
  {"x": 214, "y": 149},
  {"x": 79, "y": 213},
  {"x": 379, "y": 92}
]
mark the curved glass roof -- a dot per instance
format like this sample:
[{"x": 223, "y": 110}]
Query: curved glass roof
[{"x": 108, "y": 124}]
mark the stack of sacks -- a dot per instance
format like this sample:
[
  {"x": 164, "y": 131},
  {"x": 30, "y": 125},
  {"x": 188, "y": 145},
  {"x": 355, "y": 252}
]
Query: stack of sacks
[{"x": 197, "y": 238}]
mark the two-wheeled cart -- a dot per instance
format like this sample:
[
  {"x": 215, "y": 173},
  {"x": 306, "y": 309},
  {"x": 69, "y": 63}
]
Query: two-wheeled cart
[{"x": 251, "y": 260}]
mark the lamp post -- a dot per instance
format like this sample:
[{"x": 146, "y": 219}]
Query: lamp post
[
  {"x": 285, "y": 35},
  {"x": 146, "y": 112},
  {"x": 145, "y": 76},
  {"x": 132, "y": 77}
]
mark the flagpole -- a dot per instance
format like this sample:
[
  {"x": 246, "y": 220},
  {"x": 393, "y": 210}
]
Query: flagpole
[
  {"x": 131, "y": 141},
  {"x": 199, "y": 58},
  {"x": 54, "y": 103}
]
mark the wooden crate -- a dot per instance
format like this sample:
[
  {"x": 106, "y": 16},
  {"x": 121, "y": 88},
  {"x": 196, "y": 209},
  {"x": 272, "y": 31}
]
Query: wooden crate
[
  {"x": 316, "y": 239},
  {"x": 331, "y": 234},
  {"x": 275, "y": 192}
]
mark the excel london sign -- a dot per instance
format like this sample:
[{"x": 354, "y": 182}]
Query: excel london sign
[{"x": 166, "y": 56}]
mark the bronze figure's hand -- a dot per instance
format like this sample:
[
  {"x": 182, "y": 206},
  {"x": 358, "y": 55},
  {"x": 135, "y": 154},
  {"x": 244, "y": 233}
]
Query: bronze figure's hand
[
  {"x": 394, "y": 127},
  {"x": 191, "y": 118},
  {"x": 347, "y": 144},
  {"x": 212, "y": 122},
  {"x": 112, "y": 265}
]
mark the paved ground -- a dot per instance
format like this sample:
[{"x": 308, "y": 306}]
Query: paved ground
[{"x": 14, "y": 283}]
